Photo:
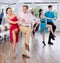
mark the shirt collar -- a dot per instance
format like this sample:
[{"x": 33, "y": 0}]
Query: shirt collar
[
  {"x": 25, "y": 13},
  {"x": 50, "y": 11}
]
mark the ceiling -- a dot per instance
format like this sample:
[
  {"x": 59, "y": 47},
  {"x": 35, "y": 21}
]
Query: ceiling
[{"x": 16, "y": 1}]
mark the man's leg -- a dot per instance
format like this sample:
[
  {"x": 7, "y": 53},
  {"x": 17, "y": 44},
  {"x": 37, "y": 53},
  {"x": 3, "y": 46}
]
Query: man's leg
[
  {"x": 27, "y": 32},
  {"x": 54, "y": 28},
  {"x": 0, "y": 24},
  {"x": 0, "y": 21},
  {"x": 27, "y": 36},
  {"x": 49, "y": 41},
  {"x": 50, "y": 35},
  {"x": 26, "y": 42}
]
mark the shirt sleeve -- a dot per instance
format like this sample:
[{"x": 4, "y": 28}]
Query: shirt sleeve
[
  {"x": 46, "y": 14},
  {"x": 19, "y": 18},
  {"x": 31, "y": 20},
  {"x": 54, "y": 16}
]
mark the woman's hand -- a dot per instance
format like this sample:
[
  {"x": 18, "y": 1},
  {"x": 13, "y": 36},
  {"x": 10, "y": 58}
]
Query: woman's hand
[
  {"x": 40, "y": 20},
  {"x": 16, "y": 22}
]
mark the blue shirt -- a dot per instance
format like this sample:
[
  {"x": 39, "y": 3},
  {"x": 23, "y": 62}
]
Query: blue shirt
[
  {"x": 50, "y": 14},
  {"x": 2, "y": 14}
]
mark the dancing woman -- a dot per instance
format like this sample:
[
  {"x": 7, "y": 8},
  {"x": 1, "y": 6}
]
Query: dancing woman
[
  {"x": 14, "y": 28},
  {"x": 44, "y": 26}
]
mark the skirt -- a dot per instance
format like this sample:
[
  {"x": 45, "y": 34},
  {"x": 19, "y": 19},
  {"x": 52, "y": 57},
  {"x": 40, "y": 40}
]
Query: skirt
[
  {"x": 17, "y": 34},
  {"x": 43, "y": 27}
]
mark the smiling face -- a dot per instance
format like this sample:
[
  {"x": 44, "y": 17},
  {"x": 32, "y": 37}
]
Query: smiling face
[
  {"x": 25, "y": 9},
  {"x": 9, "y": 11},
  {"x": 42, "y": 12},
  {"x": 50, "y": 8}
]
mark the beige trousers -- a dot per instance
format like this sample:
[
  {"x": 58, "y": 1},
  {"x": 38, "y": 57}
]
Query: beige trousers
[{"x": 27, "y": 33}]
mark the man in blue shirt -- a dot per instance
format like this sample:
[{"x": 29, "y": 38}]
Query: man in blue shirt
[
  {"x": 50, "y": 17},
  {"x": 1, "y": 16}
]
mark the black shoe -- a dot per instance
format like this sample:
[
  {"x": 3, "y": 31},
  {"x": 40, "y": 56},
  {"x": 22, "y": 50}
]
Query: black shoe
[
  {"x": 44, "y": 43},
  {"x": 26, "y": 56},
  {"x": 50, "y": 43},
  {"x": 1, "y": 38},
  {"x": 53, "y": 38}
]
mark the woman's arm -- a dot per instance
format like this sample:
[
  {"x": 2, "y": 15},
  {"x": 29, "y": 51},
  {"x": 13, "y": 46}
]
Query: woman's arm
[
  {"x": 50, "y": 18},
  {"x": 11, "y": 21}
]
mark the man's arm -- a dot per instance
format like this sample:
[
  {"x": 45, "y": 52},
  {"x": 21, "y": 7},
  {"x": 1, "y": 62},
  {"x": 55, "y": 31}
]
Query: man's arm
[
  {"x": 46, "y": 16},
  {"x": 50, "y": 18},
  {"x": 21, "y": 20},
  {"x": 32, "y": 20}
]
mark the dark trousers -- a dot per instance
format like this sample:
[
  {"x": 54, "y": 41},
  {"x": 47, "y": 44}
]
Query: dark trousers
[
  {"x": 53, "y": 28},
  {"x": 35, "y": 29},
  {"x": 0, "y": 21}
]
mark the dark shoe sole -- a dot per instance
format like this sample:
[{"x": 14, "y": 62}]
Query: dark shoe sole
[
  {"x": 50, "y": 43},
  {"x": 25, "y": 56}
]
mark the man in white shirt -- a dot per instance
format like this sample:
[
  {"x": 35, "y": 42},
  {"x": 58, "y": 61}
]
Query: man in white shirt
[{"x": 26, "y": 20}]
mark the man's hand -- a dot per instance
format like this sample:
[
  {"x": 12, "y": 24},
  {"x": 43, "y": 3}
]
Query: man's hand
[{"x": 22, "y": 20}]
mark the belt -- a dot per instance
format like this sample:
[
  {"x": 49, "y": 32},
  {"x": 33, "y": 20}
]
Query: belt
[
  {"x": 24, "y": 26},
  {"x": 42, "y": 22},
  {"x": 27, "y": 26}
]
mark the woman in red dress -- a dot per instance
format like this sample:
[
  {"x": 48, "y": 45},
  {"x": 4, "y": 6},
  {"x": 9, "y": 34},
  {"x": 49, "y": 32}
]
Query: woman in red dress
[{"x": 14, "y": 28}]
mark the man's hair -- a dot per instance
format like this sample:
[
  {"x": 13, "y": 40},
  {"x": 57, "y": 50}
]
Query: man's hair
[
  {"x": 49, "y": 6},
  {"x": 26, "y": 6}
]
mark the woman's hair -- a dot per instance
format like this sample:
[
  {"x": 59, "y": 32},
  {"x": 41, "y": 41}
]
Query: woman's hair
[
  {"x": 40, "y": 10},
  {"x": 7, "y": 9},
  {"x": 32, "y": 12}
]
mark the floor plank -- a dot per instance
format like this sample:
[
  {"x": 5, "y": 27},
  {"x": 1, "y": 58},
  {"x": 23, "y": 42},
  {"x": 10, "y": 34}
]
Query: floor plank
[{"x": 38, "y": 53}]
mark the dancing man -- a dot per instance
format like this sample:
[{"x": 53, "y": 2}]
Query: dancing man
[
  {"x": 50, "y": 15},
  {"x": 26, "y": 20}
]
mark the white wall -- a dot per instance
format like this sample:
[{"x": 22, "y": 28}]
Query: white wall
[
  {"x": 19, "y": 6},
  {"x": 57, "y": 23}
]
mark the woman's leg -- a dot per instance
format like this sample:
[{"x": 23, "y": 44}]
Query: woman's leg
[
  {"x": 50, "y": 27},
  {"x": 14, "y": 41},
  {"x": 36, "y": 28},
  {"x": 33, "y": 32},
  {"x": 43, "y": 37}
]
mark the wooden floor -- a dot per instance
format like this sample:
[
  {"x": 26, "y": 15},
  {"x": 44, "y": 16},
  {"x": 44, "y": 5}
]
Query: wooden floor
[{"x": 38, "y": 53}]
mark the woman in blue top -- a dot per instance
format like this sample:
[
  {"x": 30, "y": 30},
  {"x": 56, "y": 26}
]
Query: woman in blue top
[{"x": 44, "y": 26}]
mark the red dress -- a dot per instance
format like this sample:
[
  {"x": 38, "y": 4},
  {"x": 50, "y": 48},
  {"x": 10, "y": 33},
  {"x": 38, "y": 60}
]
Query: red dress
[{"x": 12, "y": 27}]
